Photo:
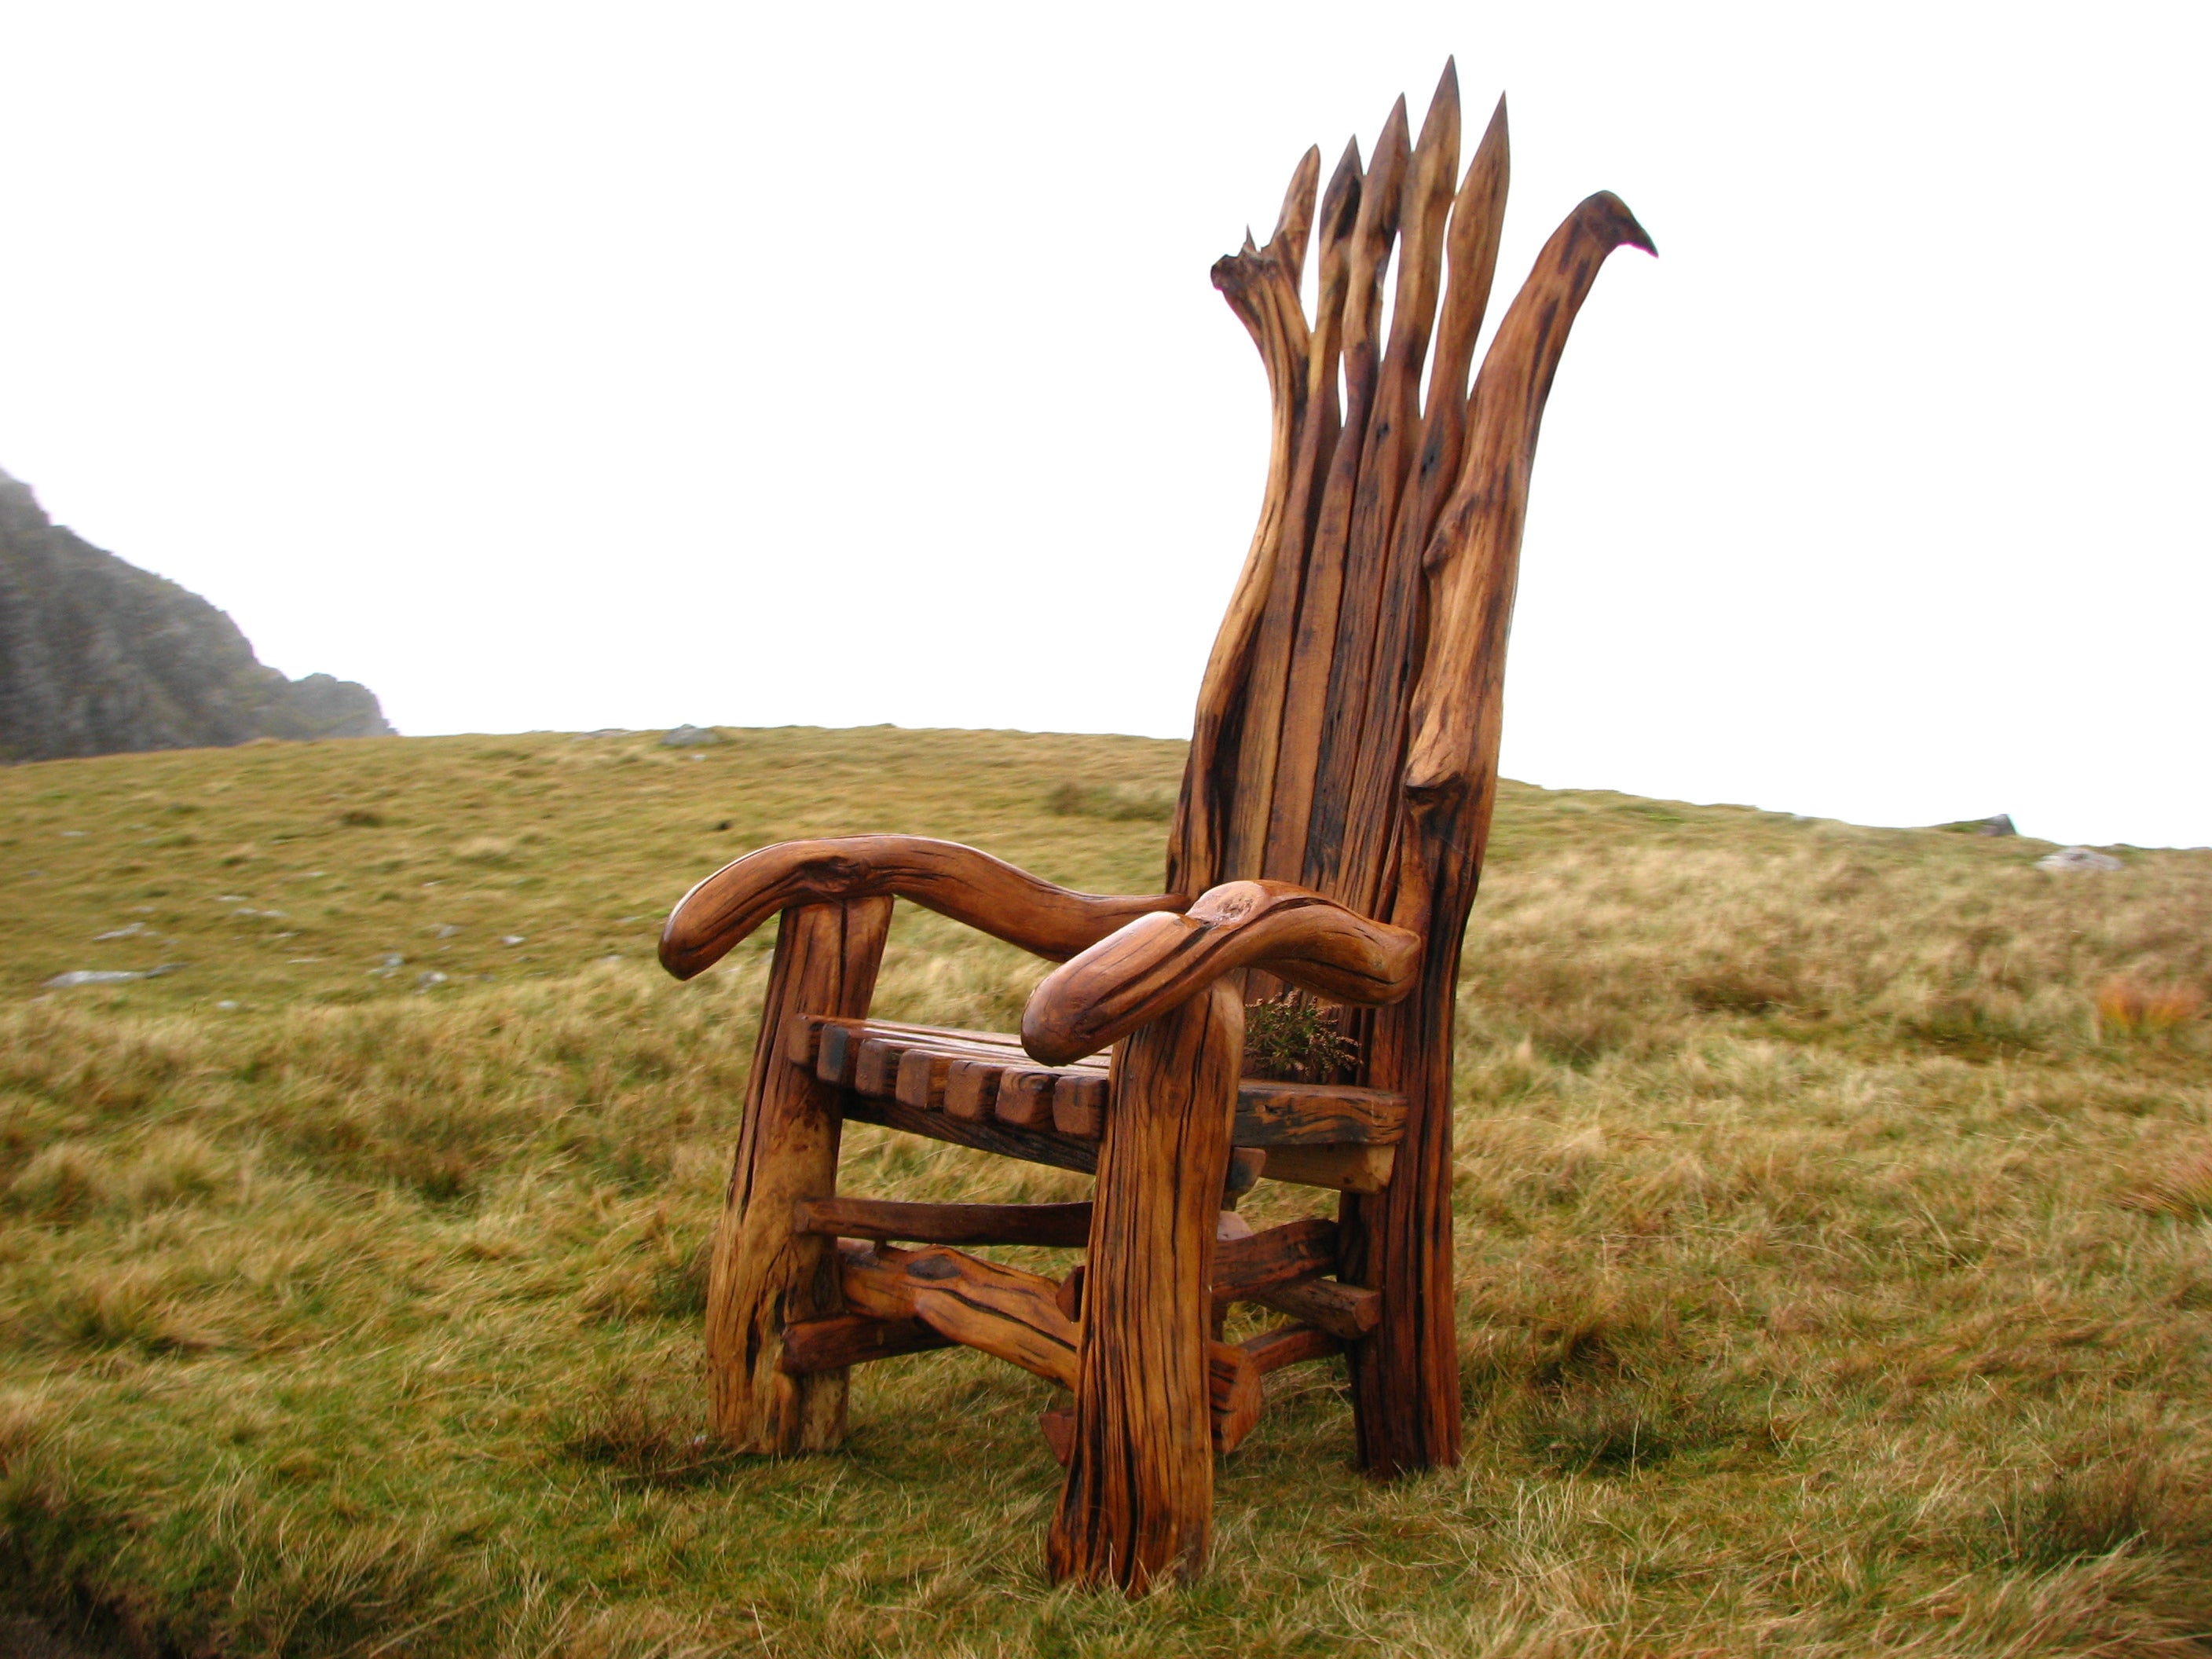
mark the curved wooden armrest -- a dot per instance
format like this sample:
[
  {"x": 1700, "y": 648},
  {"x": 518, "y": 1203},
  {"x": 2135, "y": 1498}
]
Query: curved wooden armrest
[
  {"x": 1157, "y": 961},
  {"x": 988, "y": 894}
]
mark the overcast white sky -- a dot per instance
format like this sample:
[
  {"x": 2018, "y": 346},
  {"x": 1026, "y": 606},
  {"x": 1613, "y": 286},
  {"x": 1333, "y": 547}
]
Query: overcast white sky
[{"x": 565, "y": 367}]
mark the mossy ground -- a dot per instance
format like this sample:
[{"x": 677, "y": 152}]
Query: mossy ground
[{"x": 1832, "y": 1279}]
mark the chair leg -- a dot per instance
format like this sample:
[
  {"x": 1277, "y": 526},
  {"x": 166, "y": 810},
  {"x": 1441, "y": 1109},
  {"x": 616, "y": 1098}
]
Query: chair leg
[
  {"x": 764, "y": 1276},
  {"x": 1137, "y": 1504},
  {"x": 1404, "y": 1376}
]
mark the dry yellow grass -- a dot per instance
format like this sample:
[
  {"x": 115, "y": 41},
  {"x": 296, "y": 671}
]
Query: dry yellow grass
[{"x": 1834, "y": 1268}]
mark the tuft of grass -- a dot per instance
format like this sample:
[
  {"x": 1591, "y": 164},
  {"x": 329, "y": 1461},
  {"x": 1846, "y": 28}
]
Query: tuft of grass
[
  {"x": 2127, "y": 1009},
  {"x": 1292, "y": 1038}
]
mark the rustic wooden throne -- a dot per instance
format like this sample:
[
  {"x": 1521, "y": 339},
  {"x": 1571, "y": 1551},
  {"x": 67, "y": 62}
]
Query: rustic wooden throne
[{"x": 1329, "y": 835}]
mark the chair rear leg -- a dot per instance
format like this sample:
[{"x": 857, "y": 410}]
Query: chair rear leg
[
  {"x": 1405, "y": 1375},
  {"x": 1137, "y": 1504},
  {"x": 763, "y": 1276}
]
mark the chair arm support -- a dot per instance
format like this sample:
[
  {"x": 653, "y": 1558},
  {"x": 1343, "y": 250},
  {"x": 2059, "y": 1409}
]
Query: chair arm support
[
  {"x": 956, "y": 881},
  {"x": 1157, "y": 961}
]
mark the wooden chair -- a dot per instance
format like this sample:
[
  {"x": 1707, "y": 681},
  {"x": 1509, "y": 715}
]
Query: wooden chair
[{"x": 1331, "y": 829}]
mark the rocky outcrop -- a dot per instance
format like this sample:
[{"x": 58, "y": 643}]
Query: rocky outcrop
[{"x": 98, "y": 656}]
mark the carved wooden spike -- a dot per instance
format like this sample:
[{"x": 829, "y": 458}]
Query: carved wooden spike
[
  {"x": 762, "y": 1276},
  {"x": 1406, "y": 1377},
  {"x": 1365, "y": 609},
  {"x": 1139, "y": 1500},
  {"x": 1380, "y": 621}
]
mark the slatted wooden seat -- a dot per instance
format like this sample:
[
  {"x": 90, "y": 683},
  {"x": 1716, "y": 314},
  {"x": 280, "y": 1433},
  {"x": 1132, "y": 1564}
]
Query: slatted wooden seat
[{"x": 1328, "y": 838}]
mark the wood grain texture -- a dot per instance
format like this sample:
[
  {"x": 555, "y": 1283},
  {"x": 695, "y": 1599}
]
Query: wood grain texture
[
  {"x": 1064, "y": 1225},
  {"x": 1279, "y": 1116},
  {"x": 988, "y": 1135},
  {"x": 1244, "y": 1268},
  {"x": 960, "y": 1073},
  {"x": 1406, "y": 1377},
  {"x": 1137, "y": 1503},
  {"x": 764, "y": 1277},
  {"x": 1347, "y": 1312},
  {"x": 1078, "y": 1106},
  {"x": 1289, "y": 1344},
  {"x": 971, "y": 1088},
  {"x": 1346, "y": 1168},
  {"x": 1139, "y": 973},
  {"x": 1024, "y": 1098},
  {"x": 971, "y": 887},
  {"x": 843, "y": 1340}
]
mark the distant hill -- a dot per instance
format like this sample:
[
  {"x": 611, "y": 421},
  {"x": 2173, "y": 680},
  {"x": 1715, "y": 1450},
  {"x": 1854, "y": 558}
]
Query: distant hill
[{"x": 98, "y": 656}]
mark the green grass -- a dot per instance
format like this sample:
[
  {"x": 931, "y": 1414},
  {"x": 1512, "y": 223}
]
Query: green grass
[{"x": 1834, "y": 1279}]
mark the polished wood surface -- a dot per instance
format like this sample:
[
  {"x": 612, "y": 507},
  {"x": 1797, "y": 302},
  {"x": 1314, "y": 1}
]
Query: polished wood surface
[
  {"x": 1066, "y": 1226},
  {"x": 845, "y": 1339},
  {"x": 985, "y": 893},
  {"x": 960, "y": 1073},
  {"x": 1157, "y": 961},
  {"x": 1137, "y": 1504},
  {"x": 1289, "y": 1344}
]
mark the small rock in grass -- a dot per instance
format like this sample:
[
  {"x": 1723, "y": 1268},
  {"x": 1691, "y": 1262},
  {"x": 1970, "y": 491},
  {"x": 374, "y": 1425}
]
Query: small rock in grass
[
  {"x": 445, "y": 930},
  {"x": 425, "y": 979},
  {"x": 2079, "y": 858},
  {"x": 94, "y": 976},
  {"x": 131, "y": 931},
  {"x": 515, "y": 939},
  {"x": 690, "y": 736}
]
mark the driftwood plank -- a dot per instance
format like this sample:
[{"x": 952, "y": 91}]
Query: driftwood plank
[
  {"x": 1078, "y": 1105},
  {"x": 1066, "y": 1225},
  {"x": 1019, "y": 1323},
  {"x": 1345, "y": 1311},
  {"x": 1024, "y": 1098},
  {"x": 960, "y": 1071},
  {"x": 1289, "y": 1344},
  {"x": 1033, "y": 1146},
  {"x": 1280, "y": 1115},
  {"x": 876, "y": 1066},
  {"x": 838, "y": 1057},
  {"x": 971, "y": 1088},
  {"x": 1347, "y": 1169},
  {"x": 828, "y": 1344},
  {"x": 761, "y": 1279},
  {"x": 1244, "y": 1268}
]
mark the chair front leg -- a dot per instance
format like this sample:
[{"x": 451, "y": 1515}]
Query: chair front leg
[
  {"x": 1138, "y": 1504},
  {"x": 764, "y": 1277}
]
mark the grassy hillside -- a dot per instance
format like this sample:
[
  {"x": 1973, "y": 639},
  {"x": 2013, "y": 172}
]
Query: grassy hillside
[{"x": 1835, "y": 1278}]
